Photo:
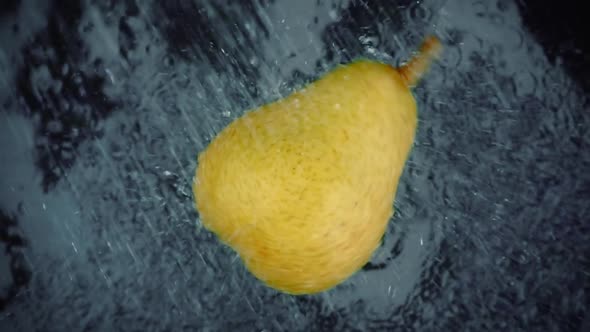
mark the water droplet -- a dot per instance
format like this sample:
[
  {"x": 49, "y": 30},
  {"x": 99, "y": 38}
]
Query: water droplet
[
  {"x": 226, "y": 114},
  {"x": 337, "y": 106},
  {"x": 111, "y": 76},
  {"x": 371, "y": 50},
  {"x": 65, "y": 69},
  {"x": 333, "y": 14}
]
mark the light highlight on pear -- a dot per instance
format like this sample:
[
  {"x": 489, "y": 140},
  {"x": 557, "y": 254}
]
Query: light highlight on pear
[{"x": 302, "y": 188}]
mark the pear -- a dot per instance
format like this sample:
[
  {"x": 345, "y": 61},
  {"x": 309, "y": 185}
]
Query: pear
[{"x": 302, "y": 188}]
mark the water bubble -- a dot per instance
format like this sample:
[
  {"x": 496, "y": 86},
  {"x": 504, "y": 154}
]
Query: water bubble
[
  {"x": 419, "y": 13},
  {"x": 525, "y": 83},
  {"x": 452, "y": 57},
  {"x": 65, "y": 69},
  {"x": 168, "y": 61}
]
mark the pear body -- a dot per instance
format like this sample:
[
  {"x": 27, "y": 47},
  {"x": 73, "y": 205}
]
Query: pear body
[{"x": 302, "y": 188}]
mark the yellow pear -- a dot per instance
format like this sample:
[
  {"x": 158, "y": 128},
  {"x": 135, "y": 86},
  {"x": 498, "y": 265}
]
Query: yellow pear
[{"x": 302, "y": 188}]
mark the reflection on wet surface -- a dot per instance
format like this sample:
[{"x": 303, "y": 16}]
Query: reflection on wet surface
[{"x": 105, "y": 106}]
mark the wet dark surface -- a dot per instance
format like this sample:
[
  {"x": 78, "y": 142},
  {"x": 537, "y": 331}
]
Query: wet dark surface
[
  {"x": 105, "y": 106},
  {"x": 563, "y": 40}
]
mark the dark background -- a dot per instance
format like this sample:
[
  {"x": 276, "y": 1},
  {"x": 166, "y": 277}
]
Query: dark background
[{"x": 553, "y": 291}]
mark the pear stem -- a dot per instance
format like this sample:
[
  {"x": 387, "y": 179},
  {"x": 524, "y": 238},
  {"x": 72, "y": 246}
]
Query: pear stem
[{"x": 414, "y": 69}]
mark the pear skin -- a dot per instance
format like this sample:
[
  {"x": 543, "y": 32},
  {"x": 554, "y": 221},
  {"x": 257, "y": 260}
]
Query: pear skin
[{"x": 302, "y": 188}]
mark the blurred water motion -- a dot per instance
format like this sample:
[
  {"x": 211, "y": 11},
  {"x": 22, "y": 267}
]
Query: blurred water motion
[{"x": 106, "y": 104}]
